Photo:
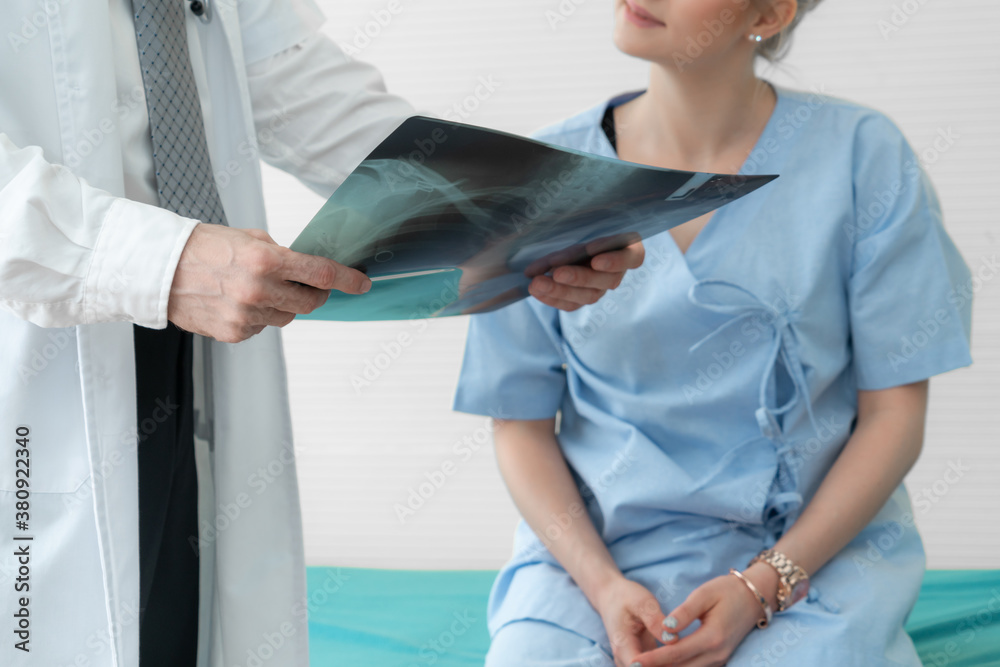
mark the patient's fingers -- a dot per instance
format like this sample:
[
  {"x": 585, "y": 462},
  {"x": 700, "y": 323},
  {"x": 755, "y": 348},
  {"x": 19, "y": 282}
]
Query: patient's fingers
[
  {"x": 581, "y": 276},
  {"x": 630, "y": 257}
]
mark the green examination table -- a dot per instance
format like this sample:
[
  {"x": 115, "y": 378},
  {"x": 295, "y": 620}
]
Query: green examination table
[{"x": 417, "y": 618}]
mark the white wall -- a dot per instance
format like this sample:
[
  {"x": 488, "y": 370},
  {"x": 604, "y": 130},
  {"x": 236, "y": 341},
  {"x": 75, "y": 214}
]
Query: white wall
[{"x": 360, "y": 452}]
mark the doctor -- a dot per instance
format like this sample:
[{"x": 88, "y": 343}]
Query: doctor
[{"x": 127, "y": 128}]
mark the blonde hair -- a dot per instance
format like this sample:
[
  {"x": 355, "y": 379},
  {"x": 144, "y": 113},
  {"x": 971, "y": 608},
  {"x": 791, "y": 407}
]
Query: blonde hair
[{"x": 775, "y": 48}]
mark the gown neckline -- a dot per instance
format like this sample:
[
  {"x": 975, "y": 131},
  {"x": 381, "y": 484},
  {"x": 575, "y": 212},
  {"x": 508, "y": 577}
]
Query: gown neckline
[{"x": 687, "y": 258}]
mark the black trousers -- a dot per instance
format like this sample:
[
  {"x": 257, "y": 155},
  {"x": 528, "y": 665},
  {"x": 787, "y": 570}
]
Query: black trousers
[{"x": 168, "y": 498}]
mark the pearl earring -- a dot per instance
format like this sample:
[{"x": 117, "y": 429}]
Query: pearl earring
[{"x": 754, "y": 38}]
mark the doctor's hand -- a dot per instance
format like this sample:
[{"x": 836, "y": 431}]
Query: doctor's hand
[
  {"x": 231, "y": 283},
  {"x": 728, "y": 611},
  {"x": 632, "y": 618},
  {"x": 573, "y": 286}
]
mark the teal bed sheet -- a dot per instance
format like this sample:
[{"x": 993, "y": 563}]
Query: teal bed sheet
[{"x": 417, "y": 618}]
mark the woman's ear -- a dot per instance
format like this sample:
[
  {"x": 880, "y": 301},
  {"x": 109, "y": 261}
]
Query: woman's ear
[{"x": 774, "y": 17}]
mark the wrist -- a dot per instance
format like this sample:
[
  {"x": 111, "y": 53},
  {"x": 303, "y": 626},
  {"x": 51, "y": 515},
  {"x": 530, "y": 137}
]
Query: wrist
[
  {"x": 793, "y": 581},
  {"x": 765, "y": 578},
  {"x": 600, "y": 583}
]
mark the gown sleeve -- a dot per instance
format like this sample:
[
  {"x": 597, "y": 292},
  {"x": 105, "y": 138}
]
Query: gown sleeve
[
  {"x": 909, "y": 289},
  {"x": 513, "y": 367}
]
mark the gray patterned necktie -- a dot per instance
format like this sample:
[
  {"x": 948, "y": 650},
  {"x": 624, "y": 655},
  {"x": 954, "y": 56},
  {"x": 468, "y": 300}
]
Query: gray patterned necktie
[{"x": 184, "y": 176}]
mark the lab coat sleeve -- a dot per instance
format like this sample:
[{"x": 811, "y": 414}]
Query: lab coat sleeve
[
  {"x": 318, "y": 113},
  {"x": 73, "y": 254}
]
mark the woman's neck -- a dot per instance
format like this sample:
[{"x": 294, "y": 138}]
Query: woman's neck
[{"x": 698, "y": 119}]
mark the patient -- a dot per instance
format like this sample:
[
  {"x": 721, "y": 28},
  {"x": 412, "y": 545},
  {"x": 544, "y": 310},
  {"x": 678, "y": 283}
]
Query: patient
[{"x": 736, "y": 420}]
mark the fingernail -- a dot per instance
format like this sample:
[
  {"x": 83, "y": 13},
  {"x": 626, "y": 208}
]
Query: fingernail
[
  {"x": 668, "y": 637},
  {"x": 636, "y": 664},
  {"x": 601, "y": 264},
  {"x": 367, "y": 285},
  {"x": 670, "y": 622}
]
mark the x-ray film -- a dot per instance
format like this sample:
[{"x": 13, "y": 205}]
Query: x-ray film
[{"x": 451, "y": 219}]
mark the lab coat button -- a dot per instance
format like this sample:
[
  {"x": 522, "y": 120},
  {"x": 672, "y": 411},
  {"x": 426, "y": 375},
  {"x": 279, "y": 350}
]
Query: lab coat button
[{"x": 197, "y": 8}]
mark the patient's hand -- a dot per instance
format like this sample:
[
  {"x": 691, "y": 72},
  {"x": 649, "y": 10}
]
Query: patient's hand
[
  {"x": 573, "y": 286},
  {"x": 632, "y": 619},
  {"x": 727, "y": 611}
]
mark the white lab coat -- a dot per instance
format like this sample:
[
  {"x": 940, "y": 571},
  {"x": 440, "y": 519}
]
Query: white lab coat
[{"x": 79, "y": 263}]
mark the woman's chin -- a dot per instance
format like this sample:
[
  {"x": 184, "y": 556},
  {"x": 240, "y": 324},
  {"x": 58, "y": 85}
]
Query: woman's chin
[{"x": 637, "y": 47}]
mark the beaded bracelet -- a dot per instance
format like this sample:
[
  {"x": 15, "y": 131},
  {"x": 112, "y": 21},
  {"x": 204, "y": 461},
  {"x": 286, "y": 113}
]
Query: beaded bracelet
[{"x": 764, "y": 622}]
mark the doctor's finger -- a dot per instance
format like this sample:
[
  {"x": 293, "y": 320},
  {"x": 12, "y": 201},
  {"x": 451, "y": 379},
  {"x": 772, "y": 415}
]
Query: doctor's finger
[
  {"x": 323, "y": 273},
  {"x": 278, "y": 318},
  {"x": 629, "y": 257},
  {"x": 239, "y": 333},
  {"x": 295, "y": 298}
]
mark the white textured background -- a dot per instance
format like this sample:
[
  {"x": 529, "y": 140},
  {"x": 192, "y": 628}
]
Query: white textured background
[{"x": 360, "y": 452}]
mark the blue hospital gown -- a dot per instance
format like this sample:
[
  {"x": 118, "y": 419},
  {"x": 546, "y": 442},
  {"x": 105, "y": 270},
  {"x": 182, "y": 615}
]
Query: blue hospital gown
[{"x": 704, "y": 400}]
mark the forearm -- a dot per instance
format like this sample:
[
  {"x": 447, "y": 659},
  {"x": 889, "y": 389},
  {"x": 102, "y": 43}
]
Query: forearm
[
  {"x": 883, "y": 448},
  {"x": 540, "y": 482}
]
